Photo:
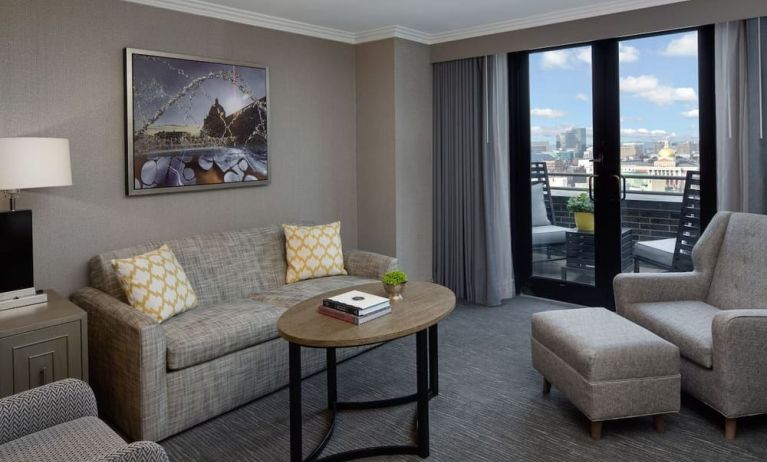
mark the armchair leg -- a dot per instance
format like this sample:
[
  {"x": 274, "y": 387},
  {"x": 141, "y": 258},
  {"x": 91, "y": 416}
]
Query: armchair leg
[
  {"x": 596, "y": 430},
  {"x": 659, "y": 426},
  {"x": 546, "y": 386},
  {"x": 730, "y": 427}
]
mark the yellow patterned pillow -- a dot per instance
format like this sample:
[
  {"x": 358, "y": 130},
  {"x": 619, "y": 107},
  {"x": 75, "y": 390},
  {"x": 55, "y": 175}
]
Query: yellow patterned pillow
[
  {"x": 313, "y": 251},
  {"x": 155, "y": 283}
]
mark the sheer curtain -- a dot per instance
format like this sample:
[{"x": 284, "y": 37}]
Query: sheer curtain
[
  {"x": 472, "y": 232},
  {"x": 741, "y": 95}
]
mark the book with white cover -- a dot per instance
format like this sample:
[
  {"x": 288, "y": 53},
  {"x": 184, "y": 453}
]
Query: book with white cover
[{"x": 359, "y": 300}]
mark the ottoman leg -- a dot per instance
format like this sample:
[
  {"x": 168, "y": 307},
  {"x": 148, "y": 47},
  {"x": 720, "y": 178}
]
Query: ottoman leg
[
  {"x": 546, "y": 386},
  {"x": 659, "y": 423},
  {"x": 730, "y": 426},
  {"x": 596, "y": 430}
]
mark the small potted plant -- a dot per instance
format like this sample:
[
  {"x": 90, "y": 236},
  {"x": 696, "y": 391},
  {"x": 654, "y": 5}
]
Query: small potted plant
[
  {"x": 394, "y": 283},
  {"x": 583, "y": 209}
]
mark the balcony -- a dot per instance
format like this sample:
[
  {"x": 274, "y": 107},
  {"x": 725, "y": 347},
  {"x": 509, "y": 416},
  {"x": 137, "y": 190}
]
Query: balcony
[{"x": 649, "y": 215}]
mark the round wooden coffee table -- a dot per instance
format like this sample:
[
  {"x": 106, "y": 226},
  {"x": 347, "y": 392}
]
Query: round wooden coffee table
[{"x": 424, "y": 305}]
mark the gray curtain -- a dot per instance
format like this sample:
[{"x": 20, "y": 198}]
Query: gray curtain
[
  {"x": 472, "y": 232},
  {"x": 741, "y": 101}
]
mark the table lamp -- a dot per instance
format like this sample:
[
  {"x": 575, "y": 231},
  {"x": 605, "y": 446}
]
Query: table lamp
[{"x": 25, "y": 163}]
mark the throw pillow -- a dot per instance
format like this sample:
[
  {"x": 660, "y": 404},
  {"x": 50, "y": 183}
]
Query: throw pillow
[
  {"x": 313, "y": 251},
  {"x": 538, "y": 206},
  {"x": 155, "y": 283}
]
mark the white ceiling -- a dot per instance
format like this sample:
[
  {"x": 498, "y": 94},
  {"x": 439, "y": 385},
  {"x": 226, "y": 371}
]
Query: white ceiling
[{"x": 426, "y": 21}]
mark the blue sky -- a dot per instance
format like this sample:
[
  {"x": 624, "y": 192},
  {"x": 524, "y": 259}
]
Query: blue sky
[{"x": 659, "y": 89}]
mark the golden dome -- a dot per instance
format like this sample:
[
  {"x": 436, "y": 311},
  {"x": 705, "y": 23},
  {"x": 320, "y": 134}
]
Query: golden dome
[{"x": 666, "y": 152}]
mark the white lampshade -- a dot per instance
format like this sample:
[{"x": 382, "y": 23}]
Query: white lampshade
[{"x": 34, "y": 163}]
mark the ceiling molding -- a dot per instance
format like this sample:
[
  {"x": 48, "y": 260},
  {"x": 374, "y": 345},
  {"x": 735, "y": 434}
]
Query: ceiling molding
[{"x": 212, "y": 10}]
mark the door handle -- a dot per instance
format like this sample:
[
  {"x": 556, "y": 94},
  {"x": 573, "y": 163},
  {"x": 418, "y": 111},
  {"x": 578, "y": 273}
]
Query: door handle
[
  {"x": 621, "y": 179},
  {"x": 591, "y": 187}
]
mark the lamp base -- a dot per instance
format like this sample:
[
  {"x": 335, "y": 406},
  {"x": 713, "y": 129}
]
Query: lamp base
[
  {"x": 11, "y": 195},
  {"x": 20, "y": 298}
]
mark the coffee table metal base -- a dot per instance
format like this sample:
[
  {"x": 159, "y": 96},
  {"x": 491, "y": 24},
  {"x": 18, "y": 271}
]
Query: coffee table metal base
[{"x": 427, "y": 374}]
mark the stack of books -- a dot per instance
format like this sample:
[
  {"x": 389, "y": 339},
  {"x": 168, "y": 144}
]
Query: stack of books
[{"x": 355, "y": 307}]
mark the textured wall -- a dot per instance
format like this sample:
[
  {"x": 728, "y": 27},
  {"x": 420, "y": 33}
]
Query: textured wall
[
  {"x": 376, "y": 203},
  {"x": 656, "y": 19},
  {"x": 61, "y": 74},
  {"x": 413, "y": 128}
]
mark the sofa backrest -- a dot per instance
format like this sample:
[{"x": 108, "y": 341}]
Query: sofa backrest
[
  {"x": 221, "y": 266},
  {"x": 740, "y": 275}
]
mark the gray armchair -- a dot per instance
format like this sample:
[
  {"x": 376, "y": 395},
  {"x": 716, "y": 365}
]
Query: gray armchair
[
  {"x": 58, "y": 422},
  {"x": 716, "y": 315}
]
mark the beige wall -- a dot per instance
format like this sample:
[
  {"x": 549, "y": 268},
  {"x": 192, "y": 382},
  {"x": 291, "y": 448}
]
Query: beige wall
[
  {"x": 413, "y": 129},
  {"x": 667, "y": 17},
  {"x": 376, "y": 205},
  {"x": 61, "y": 74},
  {"x": 394, "y": 177}
]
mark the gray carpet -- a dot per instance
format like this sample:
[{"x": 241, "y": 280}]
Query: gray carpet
[{"x": 490, "y": 408}]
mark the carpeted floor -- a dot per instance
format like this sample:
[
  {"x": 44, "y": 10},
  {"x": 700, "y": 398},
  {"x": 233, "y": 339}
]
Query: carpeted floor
[{"x": 490, "y": 408}]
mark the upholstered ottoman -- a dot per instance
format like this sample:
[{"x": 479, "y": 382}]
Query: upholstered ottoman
[{"x": 609, "y": 367}]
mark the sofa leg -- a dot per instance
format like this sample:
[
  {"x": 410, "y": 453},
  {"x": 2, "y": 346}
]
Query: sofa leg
[
  {"x": 659, "y": 423},
  {"x": 596, "y": 430},
  {"x": 546, "y": 386},
  {"x": 730, "y": 427}
]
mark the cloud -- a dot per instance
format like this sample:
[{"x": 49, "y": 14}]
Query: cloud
[
  {"x": 555, "y": 59},
  {"x": 547, "y": 113},
  {"x": 584, "y": 55},
  {"x": 645, "y": 133},
  {"x": 581, "y": 97},
  {"x": 627, "y": 53},
  {"x": 649, "y": 88},
  {"x": 691, "y": 114},
  {"x": 686, "y": 45}
]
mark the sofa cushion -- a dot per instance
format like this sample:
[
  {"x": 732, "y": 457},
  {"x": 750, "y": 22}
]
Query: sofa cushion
[
  {"x": 548, "y": 235},
  {"x": 220, "y": 266},
  {"x": 686, "y": 324},
  {"x": 661, "y": 251},
  {"x": 210, "y": 332},
  {"x": 740, "y": 273},
  {"x": 292, "y": 294},
  {"x": 85, "y": 438}
]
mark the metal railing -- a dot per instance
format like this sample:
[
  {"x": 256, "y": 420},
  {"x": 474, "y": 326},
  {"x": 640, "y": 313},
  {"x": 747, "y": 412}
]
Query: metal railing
[{"x": 682, "y": 179}]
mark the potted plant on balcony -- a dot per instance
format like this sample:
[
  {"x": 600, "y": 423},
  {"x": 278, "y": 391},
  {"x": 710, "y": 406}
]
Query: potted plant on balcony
[
  {"x": 394, "y": 282},
  {"x": 583, "y": 209}
]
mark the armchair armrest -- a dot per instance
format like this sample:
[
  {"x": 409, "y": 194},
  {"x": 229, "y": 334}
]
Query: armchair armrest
[
  {"x": 368, "y": 264},
  {"x": 127, "y": 352},
  {"x": 140, "y": 451},
  {"x": 740, "y": 359},
  {"x": 632, "y": 288},
  {"x": 39, "y": 408}
]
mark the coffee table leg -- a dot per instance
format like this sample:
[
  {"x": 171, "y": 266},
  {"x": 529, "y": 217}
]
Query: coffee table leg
[
  {"x": 433, "y": 361},
  {"x": 296, "y": 439},
  {"x": 332, "y": 381},
  {"x": 422, "y": 371}
]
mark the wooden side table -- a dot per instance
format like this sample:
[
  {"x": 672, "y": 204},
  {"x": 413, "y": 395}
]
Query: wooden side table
[{"x": 42, "y": 343}]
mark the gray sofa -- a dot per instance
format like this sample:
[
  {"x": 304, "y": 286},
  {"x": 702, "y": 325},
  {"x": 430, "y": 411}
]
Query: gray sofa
[
  {"x": 154, "y": 380},
  {"x": 58, "y": 422},
  {"x": 716, "y": 315}
]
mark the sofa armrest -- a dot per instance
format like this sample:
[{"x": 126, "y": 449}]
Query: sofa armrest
[
  {"x": 740, "y": 359},
  {"x": 368, "y": 264},
  {"x": 39, "y": 408},
  {"x": 632, "y": 288},
  {"x": 140, "y": 451},
  {"x": 127, "y": 352}
]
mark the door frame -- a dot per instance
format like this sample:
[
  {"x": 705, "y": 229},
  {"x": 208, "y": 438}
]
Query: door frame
[{"x": 606, "y": 122}]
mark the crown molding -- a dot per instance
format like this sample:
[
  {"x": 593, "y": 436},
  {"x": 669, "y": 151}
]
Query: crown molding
[
  {"x": 213, "y": 10},
  {"x": 570, "y": 14}
]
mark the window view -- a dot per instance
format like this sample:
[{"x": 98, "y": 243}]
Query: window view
[{"x": 659, "y": 156}]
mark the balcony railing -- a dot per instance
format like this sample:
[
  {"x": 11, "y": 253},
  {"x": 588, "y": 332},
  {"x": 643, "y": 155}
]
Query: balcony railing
[{"x": 681, "y": 179}]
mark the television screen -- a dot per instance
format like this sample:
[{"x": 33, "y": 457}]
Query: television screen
[{"x": 16, "y": 271}]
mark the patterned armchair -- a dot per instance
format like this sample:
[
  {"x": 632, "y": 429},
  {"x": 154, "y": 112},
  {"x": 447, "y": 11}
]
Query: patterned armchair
[
  {"x": 58, "y": 422},
  {"x": 716, "y": 314}
]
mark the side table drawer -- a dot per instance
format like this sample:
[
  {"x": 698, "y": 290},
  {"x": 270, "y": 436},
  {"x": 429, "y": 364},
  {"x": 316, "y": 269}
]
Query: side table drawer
[{"x": 40, "y": 356}]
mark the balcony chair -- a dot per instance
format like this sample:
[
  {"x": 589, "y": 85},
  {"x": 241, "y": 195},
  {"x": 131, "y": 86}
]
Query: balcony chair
[
  {"x": 547, "y": 235},
  {"x": 716, "y": 314},
  {"x": 675, "y": 254}
]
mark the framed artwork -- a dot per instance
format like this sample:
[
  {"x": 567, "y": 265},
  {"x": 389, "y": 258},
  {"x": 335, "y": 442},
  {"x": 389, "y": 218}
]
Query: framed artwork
[{"x": 194, "y": 123}]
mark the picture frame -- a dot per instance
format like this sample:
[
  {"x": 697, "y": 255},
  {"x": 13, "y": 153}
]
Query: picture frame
[{"x": 194, "y": 123}]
